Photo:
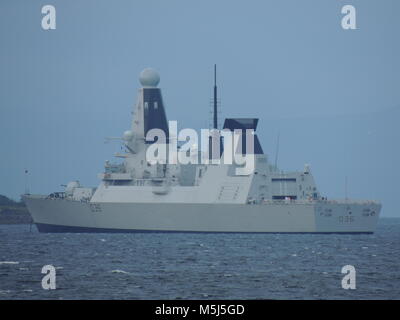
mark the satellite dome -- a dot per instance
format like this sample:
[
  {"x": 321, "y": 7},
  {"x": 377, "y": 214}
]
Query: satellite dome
[
  {"x": 128, "y": 135},
  {"x": 149, "y": 78}
]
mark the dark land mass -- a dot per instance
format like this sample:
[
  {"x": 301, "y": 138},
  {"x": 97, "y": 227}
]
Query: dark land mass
[{"x": 13, "y": 212}]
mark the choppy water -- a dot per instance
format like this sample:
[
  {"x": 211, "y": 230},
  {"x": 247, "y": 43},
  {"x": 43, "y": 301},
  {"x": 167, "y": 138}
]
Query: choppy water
[{"x": 199, "y": 266}]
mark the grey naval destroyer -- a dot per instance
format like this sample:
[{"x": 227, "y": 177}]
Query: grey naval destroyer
[{"x": 135, "y": 195}]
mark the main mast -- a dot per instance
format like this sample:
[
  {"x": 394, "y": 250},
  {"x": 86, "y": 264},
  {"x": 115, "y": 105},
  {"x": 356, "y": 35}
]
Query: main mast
[{"x": 215, "y": 126}]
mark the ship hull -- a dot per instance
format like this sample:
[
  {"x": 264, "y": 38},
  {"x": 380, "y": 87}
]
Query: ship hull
[{"x": 61, "y": 215}]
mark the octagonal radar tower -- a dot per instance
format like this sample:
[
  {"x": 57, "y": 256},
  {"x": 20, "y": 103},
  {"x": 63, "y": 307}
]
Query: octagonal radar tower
[
  {"x": 149, "y": 112},
  {"x": 149, "y": 78}
]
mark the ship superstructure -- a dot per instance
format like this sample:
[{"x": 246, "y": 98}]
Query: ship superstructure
[{"x": 136, "y": 194}]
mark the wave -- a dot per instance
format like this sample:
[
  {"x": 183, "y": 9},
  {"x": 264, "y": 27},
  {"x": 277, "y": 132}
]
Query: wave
[{"x": 119, "y": 271}]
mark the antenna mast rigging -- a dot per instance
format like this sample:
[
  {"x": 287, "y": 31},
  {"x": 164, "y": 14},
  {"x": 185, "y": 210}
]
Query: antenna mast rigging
[{"x": 215, "y": 124}]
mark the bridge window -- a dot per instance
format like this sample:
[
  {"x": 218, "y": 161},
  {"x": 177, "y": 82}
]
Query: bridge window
[
  {"x": 283, "y": 179},
  {"x": 284, "y": 197}
]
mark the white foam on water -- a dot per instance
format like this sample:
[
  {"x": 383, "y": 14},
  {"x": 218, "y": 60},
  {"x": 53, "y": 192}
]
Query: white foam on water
[
  {"x": 119, "y": 271},
  {"x": 9, "y": 262},
  {"x": 5, "y": 291}
]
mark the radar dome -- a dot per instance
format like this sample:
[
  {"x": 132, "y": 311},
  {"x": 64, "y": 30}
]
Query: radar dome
[
  {"x": 128, "y": 135},
  {"x": 149, "y": 78}
]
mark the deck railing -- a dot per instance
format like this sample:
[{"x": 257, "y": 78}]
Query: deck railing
[{"x": 316, "y": 201}]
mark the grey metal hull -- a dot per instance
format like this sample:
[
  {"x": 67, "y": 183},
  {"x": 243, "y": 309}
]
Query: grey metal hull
[{"x": 60, "y": 215}]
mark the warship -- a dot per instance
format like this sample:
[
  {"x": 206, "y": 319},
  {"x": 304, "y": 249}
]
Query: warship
[{"x": 139, "y": 195}]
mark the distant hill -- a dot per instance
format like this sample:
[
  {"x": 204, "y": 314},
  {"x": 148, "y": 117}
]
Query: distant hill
[
  {"x": 13, "y": 212},
  {"x": 4, "y": 201}
]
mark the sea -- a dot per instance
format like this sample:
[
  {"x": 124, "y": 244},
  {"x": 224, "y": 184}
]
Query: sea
[{"x": 200, "y": 266}]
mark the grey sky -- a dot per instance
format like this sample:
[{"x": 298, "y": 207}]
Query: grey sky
[{"x": 333, "y": 94}]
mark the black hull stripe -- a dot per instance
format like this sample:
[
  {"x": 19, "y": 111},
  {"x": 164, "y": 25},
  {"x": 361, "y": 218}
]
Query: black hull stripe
[{"x": 51, "y": 228}]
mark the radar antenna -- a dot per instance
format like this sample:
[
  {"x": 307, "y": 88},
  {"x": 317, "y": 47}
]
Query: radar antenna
[
  {"x": 26, "y": 181},
  {"x": 277, "y": 151},
  {"x": 215, "y": 126}
]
